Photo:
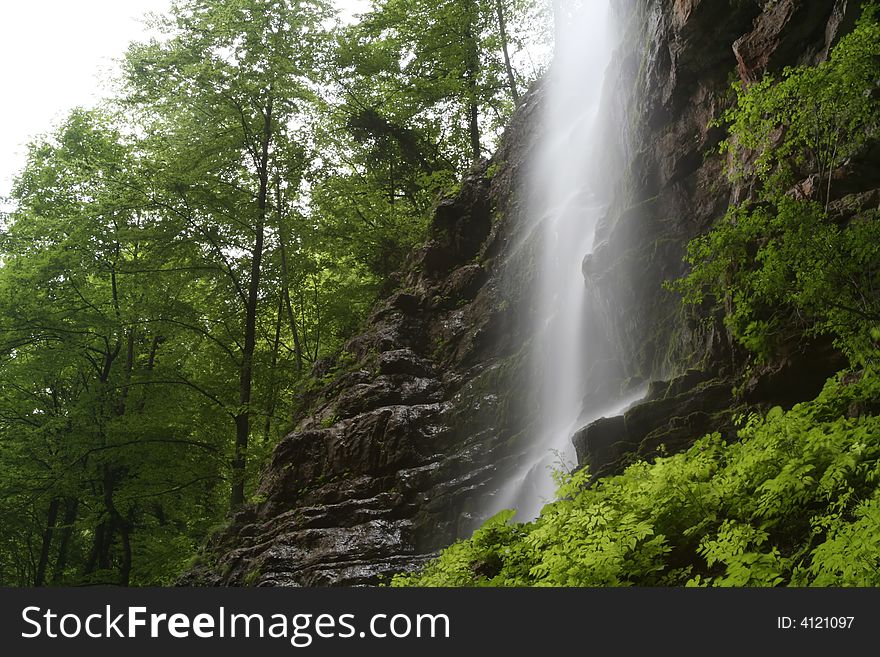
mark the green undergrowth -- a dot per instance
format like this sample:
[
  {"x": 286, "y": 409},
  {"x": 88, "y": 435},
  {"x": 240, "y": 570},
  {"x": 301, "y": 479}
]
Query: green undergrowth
[{"x": 794, "y": 502}]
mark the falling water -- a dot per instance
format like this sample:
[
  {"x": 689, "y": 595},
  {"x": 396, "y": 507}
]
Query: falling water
[{"x": 565, "y": 207}]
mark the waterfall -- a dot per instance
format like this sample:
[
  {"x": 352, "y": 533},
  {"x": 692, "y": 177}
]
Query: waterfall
[{"x": 565, "y": 206}]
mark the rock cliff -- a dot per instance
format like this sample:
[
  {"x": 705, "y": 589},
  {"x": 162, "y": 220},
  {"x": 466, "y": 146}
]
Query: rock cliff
[{"x": 425, "y": 413}]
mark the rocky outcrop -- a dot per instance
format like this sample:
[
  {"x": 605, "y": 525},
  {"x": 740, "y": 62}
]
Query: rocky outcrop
[
  {"x": 792, "y": 32},
  {"x": 668, "y": 419}
]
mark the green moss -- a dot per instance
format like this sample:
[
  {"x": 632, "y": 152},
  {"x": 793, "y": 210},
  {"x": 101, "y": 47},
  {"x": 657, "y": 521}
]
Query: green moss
[{"x": 252, "y": 577}]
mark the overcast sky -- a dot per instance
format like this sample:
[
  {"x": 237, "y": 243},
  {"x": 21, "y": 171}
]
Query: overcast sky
[{"x": 53, "y": 54}]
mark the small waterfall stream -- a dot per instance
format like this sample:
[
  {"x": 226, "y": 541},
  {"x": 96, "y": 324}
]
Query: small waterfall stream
[{"x": 564, "y": 209}]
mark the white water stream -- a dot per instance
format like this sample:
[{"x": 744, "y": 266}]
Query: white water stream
[{"x": 565, "y": 210}]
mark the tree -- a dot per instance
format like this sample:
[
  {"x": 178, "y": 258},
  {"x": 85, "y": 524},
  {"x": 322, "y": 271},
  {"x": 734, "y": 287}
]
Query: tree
[
  {"x": 501, "y": 13},
  {"x": 86, "y": 359},
  {"x": 414, "y": 89},
  {"x": 225, "y": 89},
  {"x": 448, "y": 63}
]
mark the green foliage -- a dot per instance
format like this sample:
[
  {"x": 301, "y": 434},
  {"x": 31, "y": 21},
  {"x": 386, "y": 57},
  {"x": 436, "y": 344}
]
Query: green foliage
[
  {"x": 417, "y": 68},
  {"x": 795, "y": 501},
  {"x": 785, "y": 267},
  {"x": 812, "y": 119},
  {"x": 415, "y": 84},
  {"x": 791, "y": 261},
  {"x": 103, "y": 431}
]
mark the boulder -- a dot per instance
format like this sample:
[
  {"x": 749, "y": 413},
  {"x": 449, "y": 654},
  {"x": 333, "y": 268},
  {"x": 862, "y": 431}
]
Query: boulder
[{"x": 673, "y": 414}]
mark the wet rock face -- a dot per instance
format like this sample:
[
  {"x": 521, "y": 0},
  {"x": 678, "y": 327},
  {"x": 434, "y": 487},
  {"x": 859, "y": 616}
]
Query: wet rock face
[
  {"x": 792, "y": 32},
  {"x": 672, "y": 414}
]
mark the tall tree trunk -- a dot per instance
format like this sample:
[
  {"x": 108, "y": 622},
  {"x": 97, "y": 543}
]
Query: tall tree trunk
[
  {"x": 98, "y": 554},
  {"x": 300, "y": 293},
  {"x": 318, "y": 318},
  {"x": 246, "y": 373},
  {"x": 71, "y": 506},
  {"x": 471, "y": 74},
  {"x": 276, "y": 345},
  {"x": 117, "y": 523},
  {"x": 125, "y": 567},
  {"x": 107, "y": 485},
  {"x": 297, "y": 345},
  {"x": 474, "y": 118},
  {"x": 129, "y": 368},
  {"x": 104, "y": 552},
  {"x": 502, "y": 31},
  {"x": 285, "y": 279},
  {"x": 52, "y": 516},
  {"x": 151, "y": 365},
  {"x": 392, "y": 183}
]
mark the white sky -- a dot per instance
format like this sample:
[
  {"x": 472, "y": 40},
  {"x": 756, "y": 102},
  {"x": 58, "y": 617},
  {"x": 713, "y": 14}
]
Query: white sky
[{"x": 53, "y": 54}]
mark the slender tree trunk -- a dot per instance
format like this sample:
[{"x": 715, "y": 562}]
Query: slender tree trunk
[
  {"x": 125, "y": 567},
  {"x": 117, "y": 523},
  {"x": 472, "y": 73},
  {"x": 302, "y": 319},
  {"x": 95, "y": 559},
  {"x": 112, "y": 524},
  {"x": 154, "y": 348},
  {"x": 151, "y": 365},
  {"x": 502, "y": 31},
  {"x": 71, "y": 506},
  {"x": 246, "y": 374},
  {"x": 285, "y": 276},
  {"x": 276, "y": 345},
  {"x": 392, "y": 184},
  {"x": 318, "y": 319},
  {"x": 297, "y": 345},
  {"x": 104, "y": 554},
  {"x": 52, "y": 516},
  {"x": 474, "y": 119},
  {"x": 129, "y": 368}
]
